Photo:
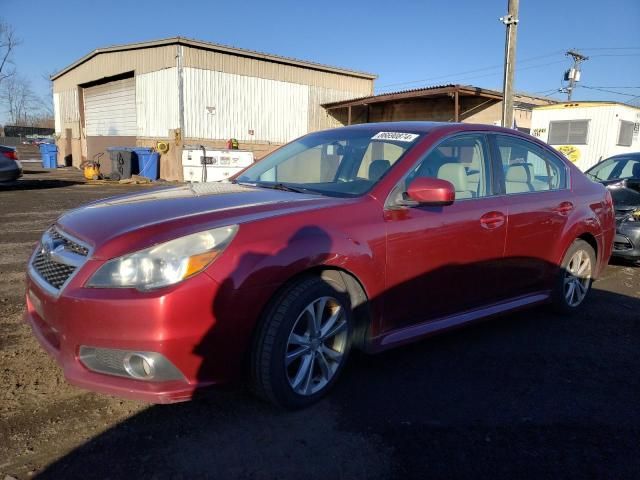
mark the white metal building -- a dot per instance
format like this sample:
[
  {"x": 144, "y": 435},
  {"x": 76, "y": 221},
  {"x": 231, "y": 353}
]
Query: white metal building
[
  {"x": 187, "y": 92},
  {"x": 587, "y": 132}
]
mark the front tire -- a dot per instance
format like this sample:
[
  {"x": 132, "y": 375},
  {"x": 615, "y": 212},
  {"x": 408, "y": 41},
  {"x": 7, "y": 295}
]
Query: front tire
[
  {"x": 302, "y": 344},
  {"x": 575, "y": 277}
]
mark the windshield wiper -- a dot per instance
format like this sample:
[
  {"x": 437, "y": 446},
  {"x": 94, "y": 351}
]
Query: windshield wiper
[{"x": 284, "y": 187}]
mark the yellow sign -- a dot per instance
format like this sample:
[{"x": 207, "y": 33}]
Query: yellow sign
[{"x": 571, "y": 152}]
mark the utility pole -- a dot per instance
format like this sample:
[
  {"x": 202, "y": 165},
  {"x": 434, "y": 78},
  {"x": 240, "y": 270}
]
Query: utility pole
[
  {"x": 573, "y": 75},
  {"x": 511, "y": 22}
]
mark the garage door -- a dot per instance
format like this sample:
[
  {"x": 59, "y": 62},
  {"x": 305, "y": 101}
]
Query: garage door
[{"x": 110, "y": 109}]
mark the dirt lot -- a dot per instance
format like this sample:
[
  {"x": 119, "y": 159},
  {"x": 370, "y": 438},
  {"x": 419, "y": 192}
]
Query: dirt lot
[{"x": 529, "y": 395}]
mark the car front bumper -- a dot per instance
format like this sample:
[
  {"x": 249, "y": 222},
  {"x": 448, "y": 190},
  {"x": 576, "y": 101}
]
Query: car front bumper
[
  {"x": 178, "y": 324},
  {"x": 626, "y": 243}
]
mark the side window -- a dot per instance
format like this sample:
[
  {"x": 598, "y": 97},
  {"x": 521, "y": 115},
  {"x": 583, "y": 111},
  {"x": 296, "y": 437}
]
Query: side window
[
  {"x": 528, "y": 168},
  {"x": 462, "y": 160}
]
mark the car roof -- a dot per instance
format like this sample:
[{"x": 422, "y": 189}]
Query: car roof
[
  {"x": 625, "y": 155},
  {"x": 424, "y": 127}
]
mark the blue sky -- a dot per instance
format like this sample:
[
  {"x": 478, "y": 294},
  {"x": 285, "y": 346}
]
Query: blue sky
[{"x": 423, "y": 42}]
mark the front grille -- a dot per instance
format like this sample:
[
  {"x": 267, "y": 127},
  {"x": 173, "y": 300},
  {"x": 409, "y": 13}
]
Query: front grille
[
  {"x": 68, "y": 243},
  {"x": 51, "y": 271},
  {"x": 54, "y": 273}
]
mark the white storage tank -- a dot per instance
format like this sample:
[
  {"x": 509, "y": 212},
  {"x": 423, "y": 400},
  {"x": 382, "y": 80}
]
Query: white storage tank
[{"x": 206, "y": 165}]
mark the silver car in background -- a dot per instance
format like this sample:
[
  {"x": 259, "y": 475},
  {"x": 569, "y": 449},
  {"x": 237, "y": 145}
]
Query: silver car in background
[{"x": 10, "y": 167}]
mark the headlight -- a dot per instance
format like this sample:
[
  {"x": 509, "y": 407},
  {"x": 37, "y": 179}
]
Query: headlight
[{"x": 164, "y": 264}]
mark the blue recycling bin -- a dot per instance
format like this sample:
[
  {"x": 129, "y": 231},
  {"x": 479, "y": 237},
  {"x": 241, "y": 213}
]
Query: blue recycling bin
[
  {"x": 147, "y": 163},
  {"x": 49, "y": 155}
]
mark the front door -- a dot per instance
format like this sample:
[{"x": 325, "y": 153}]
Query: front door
[{"x": 446, "y": 260}]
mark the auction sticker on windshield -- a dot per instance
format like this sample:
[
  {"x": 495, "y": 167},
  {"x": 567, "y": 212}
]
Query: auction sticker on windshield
[{"x": 397, "y": 136}]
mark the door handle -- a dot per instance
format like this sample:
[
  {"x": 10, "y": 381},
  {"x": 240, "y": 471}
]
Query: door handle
[
  {"x": 564, "y": 208},
  {"x": 492, "y": 220}
]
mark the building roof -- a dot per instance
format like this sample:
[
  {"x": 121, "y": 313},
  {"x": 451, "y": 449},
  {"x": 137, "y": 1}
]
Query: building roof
[
  {"x": 432, "y": 91},
  {"x": 219, "y": 48},
  {"x": 585, "y": 103}
]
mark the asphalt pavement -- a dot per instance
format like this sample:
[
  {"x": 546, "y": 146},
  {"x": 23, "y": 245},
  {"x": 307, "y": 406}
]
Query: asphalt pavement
[{"x": 527, "y": 395}]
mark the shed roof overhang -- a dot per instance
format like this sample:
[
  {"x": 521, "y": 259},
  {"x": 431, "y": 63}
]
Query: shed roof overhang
[{"x": 451, "y": 91}]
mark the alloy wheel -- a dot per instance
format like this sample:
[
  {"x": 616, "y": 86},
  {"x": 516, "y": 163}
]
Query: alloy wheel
[
  {"x": 316, "y": 346},
  {"x": 577, "y": 278}
]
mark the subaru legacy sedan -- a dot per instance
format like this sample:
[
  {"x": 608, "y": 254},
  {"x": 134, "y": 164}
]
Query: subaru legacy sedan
[{"x": 368, "y": 237}]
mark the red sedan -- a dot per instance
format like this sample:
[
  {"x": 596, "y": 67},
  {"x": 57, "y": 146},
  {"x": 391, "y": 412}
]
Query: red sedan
[{"x": 367, "y": 237}]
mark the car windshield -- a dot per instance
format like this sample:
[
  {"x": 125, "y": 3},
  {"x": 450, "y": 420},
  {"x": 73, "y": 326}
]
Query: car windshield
[
  {"x": 340, "y": 163},
  {"x": 616, "y": 168}
]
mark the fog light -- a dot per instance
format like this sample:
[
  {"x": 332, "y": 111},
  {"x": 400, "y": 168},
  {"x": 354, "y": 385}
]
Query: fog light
[
  {"x": 131, "y": 364},
  {"x": 138, "y": 366}
]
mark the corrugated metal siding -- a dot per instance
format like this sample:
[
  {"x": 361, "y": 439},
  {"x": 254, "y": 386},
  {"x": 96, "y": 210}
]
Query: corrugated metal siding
[
  {"x": 223, "y": 62},
  {"x": 319, "y": 118},
  {"x": 141, "y": 61},
  {"x": 110, "y": 109},
  {"x": 57, "y": 113},
  {"x": 220, "y": 105},
  {"x": 157, "y": 103},
  {"x": 67, "y": 112}
]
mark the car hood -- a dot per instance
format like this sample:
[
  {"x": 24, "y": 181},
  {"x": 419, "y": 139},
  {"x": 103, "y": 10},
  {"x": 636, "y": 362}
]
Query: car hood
[
  {"x": 624, "y": 197},
  {"x": 151, "y": 217}
]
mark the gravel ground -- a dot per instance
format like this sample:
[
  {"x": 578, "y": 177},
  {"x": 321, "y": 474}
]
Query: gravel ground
[{"x": 529, "y": 395}]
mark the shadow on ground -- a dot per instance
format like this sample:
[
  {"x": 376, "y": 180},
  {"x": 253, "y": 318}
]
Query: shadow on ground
[
  {"x": 528, "y": 395},
  {"x": 37, "y": 184}
]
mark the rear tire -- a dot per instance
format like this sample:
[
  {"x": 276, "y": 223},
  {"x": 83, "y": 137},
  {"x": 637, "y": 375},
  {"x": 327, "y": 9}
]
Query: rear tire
[
  {"x": 574, "y": 279},
  {"x": 302, "y": 344}
]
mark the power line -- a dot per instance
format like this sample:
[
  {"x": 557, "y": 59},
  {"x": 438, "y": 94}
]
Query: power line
[
  {"x": 529, "y": 67},
  {"x": 609, "y": 91},
  {"x": 547, "y": 92},
  {"x": 610, "y": 48},
  {"x": 609, "y": 86},
  {"x": 493, "y": 67},
  {"x": 616, "y": 55}
]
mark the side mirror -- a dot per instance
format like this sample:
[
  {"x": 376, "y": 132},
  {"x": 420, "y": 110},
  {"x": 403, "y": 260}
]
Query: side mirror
[{"x": 431, "y": 191}]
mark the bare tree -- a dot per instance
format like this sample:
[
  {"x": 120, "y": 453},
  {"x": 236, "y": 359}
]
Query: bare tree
[
  {"x": 20, "y": 100},
  {"x": 47, "y": 101},
  {"x": 8, "y": 41}
]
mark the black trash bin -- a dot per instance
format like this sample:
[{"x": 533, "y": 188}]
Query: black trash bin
[{"x": 122, "y": 162}]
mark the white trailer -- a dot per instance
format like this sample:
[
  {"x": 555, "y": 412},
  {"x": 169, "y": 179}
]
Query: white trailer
[
  {"x": 206, "y": 165},
  {"x": 587, "y": 132}
]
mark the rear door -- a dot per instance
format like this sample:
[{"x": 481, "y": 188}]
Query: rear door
[{"x": 539, "y": 203}]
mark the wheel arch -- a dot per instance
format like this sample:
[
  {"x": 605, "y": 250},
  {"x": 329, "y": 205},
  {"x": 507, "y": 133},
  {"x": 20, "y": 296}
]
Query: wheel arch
[
  {"x": 591, "y": 240},
  {"x": 344, "y": 281}
]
